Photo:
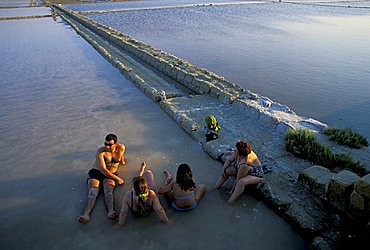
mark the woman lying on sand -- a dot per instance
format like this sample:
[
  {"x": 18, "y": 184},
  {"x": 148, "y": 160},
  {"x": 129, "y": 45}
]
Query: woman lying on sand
[
  {"x": 183, "y": 194},
  {"x": 142, "y": 198}
]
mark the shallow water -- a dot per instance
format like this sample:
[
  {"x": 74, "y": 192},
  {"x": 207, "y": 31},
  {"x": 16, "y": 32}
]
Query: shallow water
[
  {"x": 24, "y": 11},
  {"x": 312, "y": 58},
  {"x": 8, "y": 3},
  {"x": 140, "y": 4},
  {"x": 59, "y": 99}
]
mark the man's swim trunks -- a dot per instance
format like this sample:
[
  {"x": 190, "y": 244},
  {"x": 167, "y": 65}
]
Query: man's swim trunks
[{"x": 96, "y": 174}]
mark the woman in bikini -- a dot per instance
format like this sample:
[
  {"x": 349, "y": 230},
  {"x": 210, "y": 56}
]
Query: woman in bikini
[
  {"x": 183, "y": 195},
  {"x": 243, "y": 163},
  {"x": 142, "y": 198}
]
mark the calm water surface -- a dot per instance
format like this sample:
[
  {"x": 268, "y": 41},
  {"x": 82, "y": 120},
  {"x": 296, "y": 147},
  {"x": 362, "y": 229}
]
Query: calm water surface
[
  {"x": 24, "y": 11},
  {"x": 58, "y": 100},
  {"x": 141, "y": 4},
  {"x": 312, "y": 58}
]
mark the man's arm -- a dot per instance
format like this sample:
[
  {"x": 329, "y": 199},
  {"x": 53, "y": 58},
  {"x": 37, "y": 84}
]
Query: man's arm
[
  {"x": 158, "y": 207},
  {"x": 104, "y": 170},
  {"x": 124, "y": 209},
  {"x": 228, "y": 162},
  {"x": 122, "y": 150}
]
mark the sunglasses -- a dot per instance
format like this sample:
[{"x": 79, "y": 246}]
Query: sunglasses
[{"x": 108, "y": 145}]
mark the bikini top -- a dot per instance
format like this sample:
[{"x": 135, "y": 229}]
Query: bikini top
[{"x": 246, "y": 164}]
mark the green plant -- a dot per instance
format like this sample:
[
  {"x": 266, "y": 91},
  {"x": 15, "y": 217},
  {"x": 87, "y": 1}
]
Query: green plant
[
  {"x": 346, "y": 137},
  {"x": 303, "y": 144}
]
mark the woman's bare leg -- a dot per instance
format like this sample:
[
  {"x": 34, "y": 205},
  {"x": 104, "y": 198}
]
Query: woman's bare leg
[
  {"x": 199, "y": 192},
  {"x": 168, "y": 178},
  {"x": 224, "y": 176},
  {"x": 242, "y": 183},
  {"x": 167, "y": 181},
  {"x": 149, "y": 177}
]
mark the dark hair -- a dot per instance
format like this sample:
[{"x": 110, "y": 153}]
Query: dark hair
[
  {"x": 184, "y": 177},
  {"x": 244, "y": 148},
  {"x": 141, "y": 187},
  {"x": 110, "y": 137}
]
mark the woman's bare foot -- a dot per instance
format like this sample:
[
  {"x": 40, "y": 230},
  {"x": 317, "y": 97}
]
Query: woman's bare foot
[
  {"x": 112, "y": 215},
  {"x": 83, "y": 219},
  {"x": 143, "y": 166},
  {"x": 168, "y": 177}
]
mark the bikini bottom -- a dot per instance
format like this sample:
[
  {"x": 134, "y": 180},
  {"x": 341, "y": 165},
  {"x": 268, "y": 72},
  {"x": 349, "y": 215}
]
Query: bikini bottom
[{"x": 178, "y": 209}]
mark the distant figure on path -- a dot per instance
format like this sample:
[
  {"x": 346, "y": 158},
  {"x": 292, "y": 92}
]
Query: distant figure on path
[
  {"x": 104, "y": 172},
  {"x": 182, "y": 194},
  {"x": 143, "y": 198},
  {"x": 243, "y": 163}
]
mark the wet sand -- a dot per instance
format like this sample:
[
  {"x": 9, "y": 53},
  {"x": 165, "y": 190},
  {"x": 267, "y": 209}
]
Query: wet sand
[{"x": 59, "y": 100}]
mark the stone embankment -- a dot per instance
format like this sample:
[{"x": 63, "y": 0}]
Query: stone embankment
[
  {"x": 320, "y": 204},
  {"x": 23, "y": 17}
]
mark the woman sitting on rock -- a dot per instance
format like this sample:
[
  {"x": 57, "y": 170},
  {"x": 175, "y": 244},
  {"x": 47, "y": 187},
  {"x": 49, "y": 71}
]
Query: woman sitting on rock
[
  {"x": 243, "y": 163},
  {"x": 142, "y": 198},
  {"x": 183, "y": 195}
]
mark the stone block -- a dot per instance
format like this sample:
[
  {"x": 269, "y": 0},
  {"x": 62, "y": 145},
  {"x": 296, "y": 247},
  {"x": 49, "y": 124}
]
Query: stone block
[
  {"x": 283, "y": 127},
  {"x": 181, "y": 75},
  {"x": 204, "y": 87},
  {"x": 226, "y": 97},
  {"x": 215, "y": 91},
  {"x": 340, "y": 188},
  {"x": 362, "y": 186},
  {"x": 319, "y": 243},
  {"x": 162, "y": 66},
  {"x": 155, "y": 62},
  {"x": 168, "y": 108},
  {"x": 188, "y": 79},
  {"x": 357, "y": 201},
  {"x": 189, "y": 125},
  {"x": 168, "y": 69},
  {"x": 303, "y": 219},
  {"x": 153, "y": 94},
  {"x": 268, "y": 118},
  {"x": 137, "y": 80},
  {"x": 316, "y": 179},
  {"x": 252, "y": 111},
  {"x": 239, "y": 104},
  {"x": 147, "y": 57},
  {"x": 213, "y": 149}
]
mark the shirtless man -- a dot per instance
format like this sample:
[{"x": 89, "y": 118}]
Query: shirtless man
[{"x": 105, "y": 171}]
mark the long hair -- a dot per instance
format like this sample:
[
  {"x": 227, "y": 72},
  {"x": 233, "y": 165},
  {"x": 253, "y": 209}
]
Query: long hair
[
  {"x": 184, "y": 177},
  {"x": 141, "y": 189},
  {"x": 244, "y": 148}
]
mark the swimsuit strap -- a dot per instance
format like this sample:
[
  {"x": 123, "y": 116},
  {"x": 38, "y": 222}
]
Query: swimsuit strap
[
  {"x": 132, "y": 200},
  {"x": 243, "y": 164},
  {"x": 184, "y": 197}
]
